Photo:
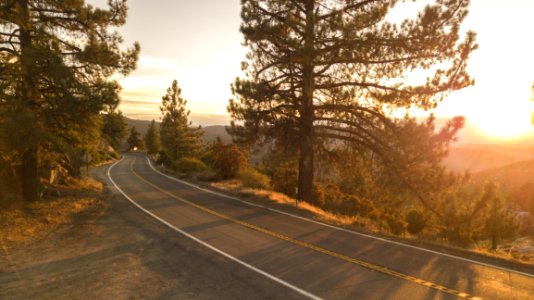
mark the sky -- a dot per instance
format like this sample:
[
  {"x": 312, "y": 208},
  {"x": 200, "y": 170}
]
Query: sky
[
  {"x": 195, "y": 42},
  {"x": 199, "y": 44}
]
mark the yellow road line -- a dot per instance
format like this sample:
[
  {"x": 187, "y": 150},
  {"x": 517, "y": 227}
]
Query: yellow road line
[{"x": 356, "y": 261}]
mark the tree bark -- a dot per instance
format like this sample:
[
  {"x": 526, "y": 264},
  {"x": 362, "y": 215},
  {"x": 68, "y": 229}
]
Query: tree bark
[
  {"x": 28, "y": 106},
  {"x": 306, "y": 160},
  {"x": 30, "y": 175}
]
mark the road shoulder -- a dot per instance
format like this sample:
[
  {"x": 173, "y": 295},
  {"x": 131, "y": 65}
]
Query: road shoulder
[{"x": 119, "y": 252}]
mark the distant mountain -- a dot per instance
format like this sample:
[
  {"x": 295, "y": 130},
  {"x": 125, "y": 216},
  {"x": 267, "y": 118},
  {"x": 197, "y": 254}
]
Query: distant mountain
[
  {"x": 510, "y": 178},
  {"x": 140, "y": 125},
  {"x": 462, "y": 156},
  {"x": 210, "y": 132},
  {"x": 523, "y": 151},
  {"x": 475, "y": 158}
]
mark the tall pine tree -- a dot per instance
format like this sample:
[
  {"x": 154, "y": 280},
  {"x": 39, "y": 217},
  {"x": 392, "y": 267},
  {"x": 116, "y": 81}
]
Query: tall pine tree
[
  {"x": 152, "y": 141},
  {"x": 115, "y": 128},
  {"x": 329, "y": 69},
  {"x": 178, "y": 139},
  {"x": 134, "y": 140},
  {"x": 55, "y": 59}
]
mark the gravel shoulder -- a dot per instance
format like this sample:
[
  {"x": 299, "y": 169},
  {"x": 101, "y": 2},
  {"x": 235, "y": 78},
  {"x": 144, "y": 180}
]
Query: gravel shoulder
[{"x": 115, "y": 251}]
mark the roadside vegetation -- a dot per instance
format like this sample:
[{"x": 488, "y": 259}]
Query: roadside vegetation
[
  {"x": 312, "y": 121},
  {"x": 313, "y": 118},
  {"x": 355, "y": 189}
]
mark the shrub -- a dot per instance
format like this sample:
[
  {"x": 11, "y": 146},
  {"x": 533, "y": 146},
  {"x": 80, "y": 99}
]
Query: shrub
[
  {"x": 318, "y": 195},
  {"x": 227, "y": 160},
  {"x": 96, "y": 157},
  {"x": 396, "y": 226},
  {"x": 207, "y": 175},
  {"x": 416, "y": 222},
  {"x": 254, "y": 179},
  {"x": 115, "y": 155},
  {"x": 189, "y": 165},
  {"x": 336, "y": 201},
  {"x": 458, "y": 236},
  {"x": 285, "y": 179}
]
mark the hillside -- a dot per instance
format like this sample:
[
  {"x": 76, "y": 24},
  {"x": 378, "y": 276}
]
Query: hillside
[
  {"x": 476, "y": 158},
  {"x": 141, "y": 125},
  {"x": 462, "y": 157},
  {"x": 210, "y": 132},
  {"x": 510, "y": 177}
]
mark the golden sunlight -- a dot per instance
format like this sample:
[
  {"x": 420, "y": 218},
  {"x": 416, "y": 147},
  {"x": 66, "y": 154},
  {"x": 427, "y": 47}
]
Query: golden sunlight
[{"x": 504, "y": 122}]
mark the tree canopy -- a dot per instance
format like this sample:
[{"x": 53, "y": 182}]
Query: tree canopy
[
  {"x": 321, "y": 70},
  {"x": 115, "y": 128},
  {"x": 178, "y": 139},
  {"x": 152, "y": 141},
  {"x": 134, "y": 140},
  {"x": 55, "y": 61}
]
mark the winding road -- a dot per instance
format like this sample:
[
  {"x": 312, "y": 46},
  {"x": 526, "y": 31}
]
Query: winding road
[{"x": 308, "y": 258}]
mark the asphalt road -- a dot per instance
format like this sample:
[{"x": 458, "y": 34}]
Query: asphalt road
[{"x": 307, "y": 258}]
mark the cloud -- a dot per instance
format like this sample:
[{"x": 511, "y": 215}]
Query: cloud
[{"x": 146, "y": 86}]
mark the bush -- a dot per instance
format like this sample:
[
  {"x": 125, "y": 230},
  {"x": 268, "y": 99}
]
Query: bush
[
  {"x": 227, "y": 160},
  {"x": 115, "y": 155},
  {"x": 336, "y": 201},
  {"x": 395, "y": 226},
  {"x": 458, "y": 236},
  {"x": 416, "y": 222},
  {"x": 189, "y": 165},
  {"x": 254, "y": 179},
  {"x": 285, "y": 179}
]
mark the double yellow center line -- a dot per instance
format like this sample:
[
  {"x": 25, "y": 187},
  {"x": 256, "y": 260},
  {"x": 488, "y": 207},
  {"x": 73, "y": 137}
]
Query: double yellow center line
[{"x": 268, "y": 232}]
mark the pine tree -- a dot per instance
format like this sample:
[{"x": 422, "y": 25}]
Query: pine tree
[
  {"x": 152, "y": 142},
  {"x": 321, "y": 70},
  {"x": 178, "y": 139},
  {"x": 134, "y": 140},
  {"x": 115, "y": 128},
  {"x": 499, "y": 223},
  {"x": 55, "y": 59}
]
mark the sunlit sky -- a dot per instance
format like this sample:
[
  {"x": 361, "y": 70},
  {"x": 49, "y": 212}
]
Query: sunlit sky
[{"x": 199, "y": 44}]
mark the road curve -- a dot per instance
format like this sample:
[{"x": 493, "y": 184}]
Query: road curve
[{"x": 309, "y": 258}]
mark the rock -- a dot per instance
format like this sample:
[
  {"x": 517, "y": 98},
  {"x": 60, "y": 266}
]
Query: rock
[
  {"x": 50, "y": 192},
  {"x": 523, "y": 248}
]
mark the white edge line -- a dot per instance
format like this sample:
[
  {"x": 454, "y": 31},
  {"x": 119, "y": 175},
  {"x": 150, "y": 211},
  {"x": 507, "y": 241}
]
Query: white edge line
[
  {"x": 276, "y": 279},
  {"x": 343, "y": 229}
]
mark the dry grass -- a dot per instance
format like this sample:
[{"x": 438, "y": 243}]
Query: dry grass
[
  {"x": 85, "y": 184},
  {"x": 19, "y": 225},
  {"x": 229, "y": 185},
  {"x": 235, "y": 186},
  {"x": 353, "y": 222}
]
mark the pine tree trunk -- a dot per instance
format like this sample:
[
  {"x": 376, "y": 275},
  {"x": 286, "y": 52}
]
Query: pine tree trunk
[
  {"x": 30, "y": 175},
  {"x": 305, "y": 180},
  {"x": 30, "y": 158},
  {"x": 306, "y": 164}
]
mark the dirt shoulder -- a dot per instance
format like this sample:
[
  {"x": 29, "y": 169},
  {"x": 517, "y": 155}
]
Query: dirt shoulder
[{"x": 115, "y": 251}]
